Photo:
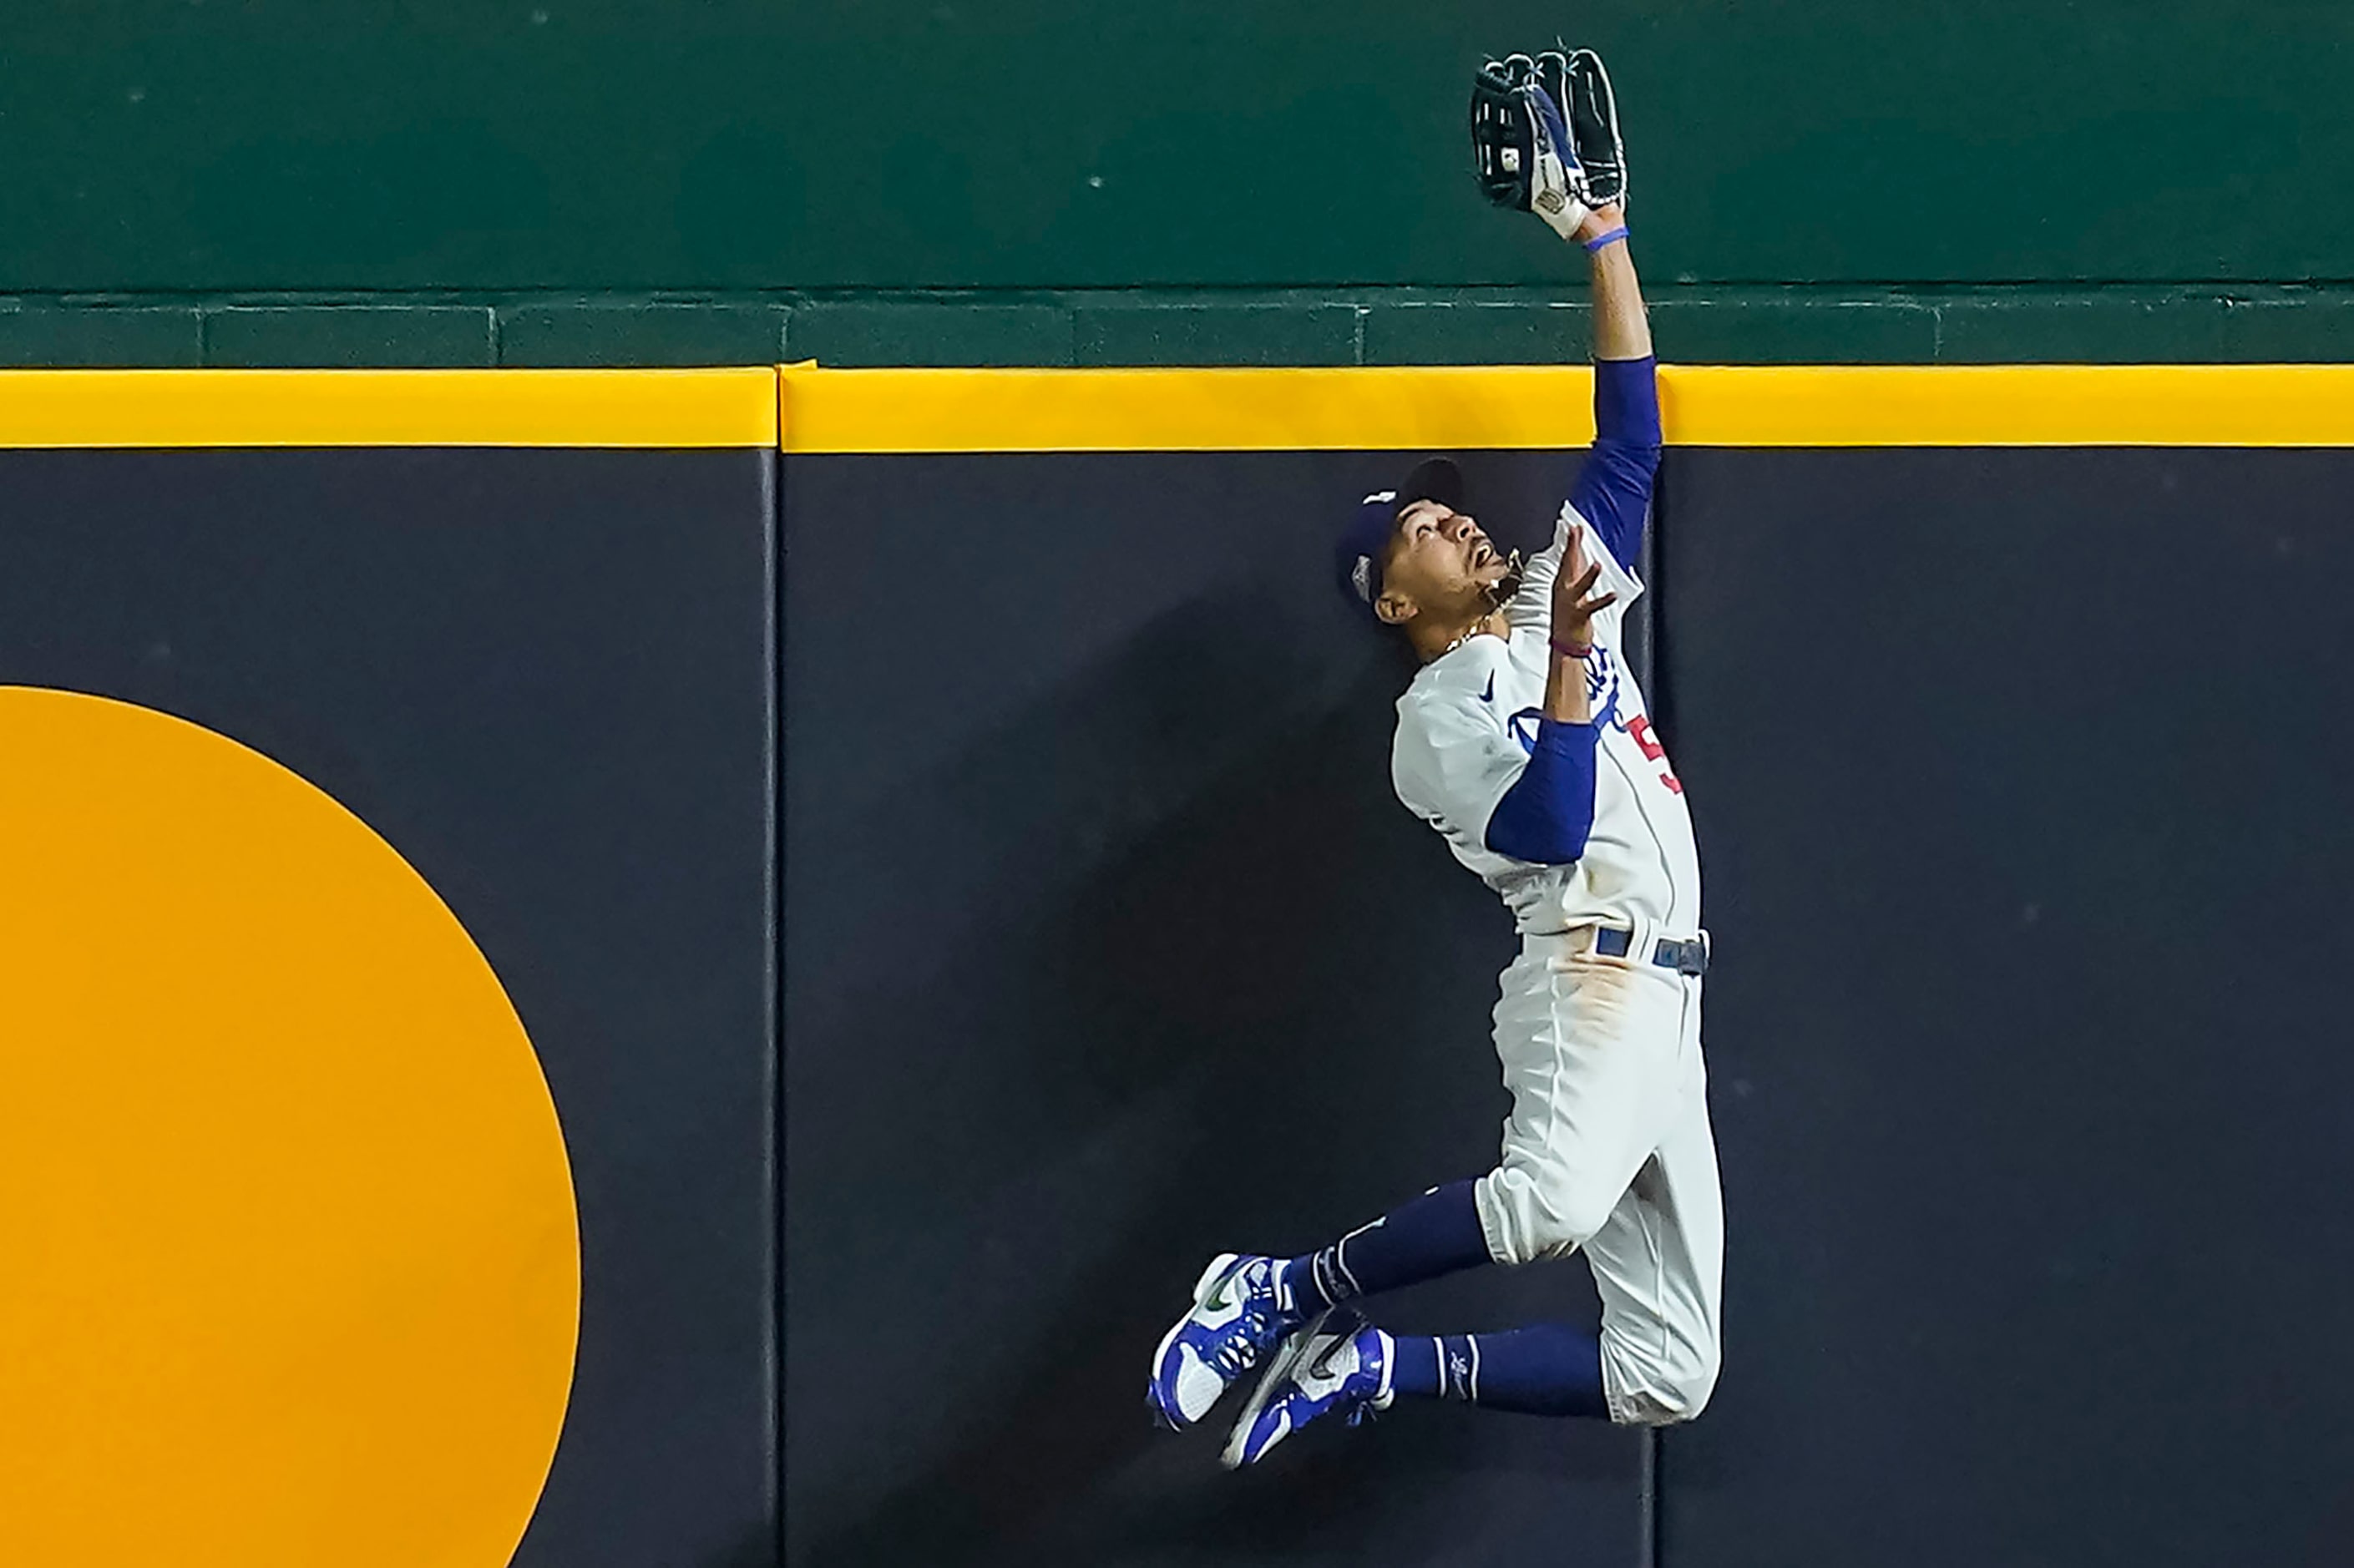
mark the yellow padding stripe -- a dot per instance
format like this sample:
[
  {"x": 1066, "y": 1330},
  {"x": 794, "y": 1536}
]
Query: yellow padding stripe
[
  {"x": 1546, "y": 406},
  {"x": 727, "y": 408},
  {"x": 1186, "y": 410},
  {"x": 1175, "y": 410},
  {"x": 2010, "y": 406}
]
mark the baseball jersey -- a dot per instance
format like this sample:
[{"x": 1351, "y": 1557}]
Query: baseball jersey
[{"x": 1467, "y": 724}]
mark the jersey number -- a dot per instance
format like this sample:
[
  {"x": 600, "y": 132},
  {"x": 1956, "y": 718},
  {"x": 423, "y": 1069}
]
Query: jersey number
[{"x": 1638, "y": 730}]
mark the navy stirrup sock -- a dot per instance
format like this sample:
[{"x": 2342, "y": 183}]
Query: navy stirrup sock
[
  {"x": 1545, "y": 1370},
  {"x": 1435, "y": 1234}
]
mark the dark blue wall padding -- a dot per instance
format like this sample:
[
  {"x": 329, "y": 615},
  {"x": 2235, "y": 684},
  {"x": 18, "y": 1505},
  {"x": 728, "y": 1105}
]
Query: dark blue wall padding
[
  {"x": 544, "y": 677},
  {"x": 2021, "y": 779},
  {"x": 1109, "y": 946}
]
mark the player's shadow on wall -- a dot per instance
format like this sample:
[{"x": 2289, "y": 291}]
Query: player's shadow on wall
[{"x": 1175, "y": 973}]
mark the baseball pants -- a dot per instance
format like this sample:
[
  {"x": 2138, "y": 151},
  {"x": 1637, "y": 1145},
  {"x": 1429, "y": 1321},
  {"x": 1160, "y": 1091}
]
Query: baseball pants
[{"x": 1608, "y": 1150}]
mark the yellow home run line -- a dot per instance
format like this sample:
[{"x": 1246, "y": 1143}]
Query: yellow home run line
[
  {"x": 1549, "y": 406},
  {"x": 727, "y": 408},
  {"x": 1437, "y": 407}
]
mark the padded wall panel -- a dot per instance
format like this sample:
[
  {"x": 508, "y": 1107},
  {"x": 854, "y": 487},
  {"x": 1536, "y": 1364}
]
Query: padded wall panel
[
  {"x": 544, "y": 676},
  {"x": 2020, "y": 779},
  {"x": 1107, "y": 947}
]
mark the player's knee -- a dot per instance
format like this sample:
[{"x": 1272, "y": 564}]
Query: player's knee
[
  {"x": 1568, "y": 1220},
  {"x": 1528, "y": 1218},
  {"x": 1661, "y": 1385},
  {"x": 1685, "y": 1391}
]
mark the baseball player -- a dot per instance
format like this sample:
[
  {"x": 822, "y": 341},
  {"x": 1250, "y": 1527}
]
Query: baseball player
[{"x": 1524, "y": 740}]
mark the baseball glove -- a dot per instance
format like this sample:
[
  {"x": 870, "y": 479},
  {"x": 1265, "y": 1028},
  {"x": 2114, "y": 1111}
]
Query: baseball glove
[
  {"x": 1530, "y": 152},
  {"x": 1576, "y": 80}
]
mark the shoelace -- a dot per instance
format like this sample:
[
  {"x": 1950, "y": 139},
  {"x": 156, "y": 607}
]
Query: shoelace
[{"x": 1239, "y": 1354}]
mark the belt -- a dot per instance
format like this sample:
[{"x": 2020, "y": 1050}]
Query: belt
[{"x": 1684, "y": 957}]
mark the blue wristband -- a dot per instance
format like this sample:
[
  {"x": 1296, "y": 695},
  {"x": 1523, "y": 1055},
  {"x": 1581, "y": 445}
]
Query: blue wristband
[{"x": 1609, "y": 237}]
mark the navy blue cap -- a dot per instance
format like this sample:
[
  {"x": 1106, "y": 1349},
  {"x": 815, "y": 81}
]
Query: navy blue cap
[{"x": 1357, "y": 559}]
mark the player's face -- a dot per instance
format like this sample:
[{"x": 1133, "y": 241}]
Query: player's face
[{"x": 1441, "y": 561}]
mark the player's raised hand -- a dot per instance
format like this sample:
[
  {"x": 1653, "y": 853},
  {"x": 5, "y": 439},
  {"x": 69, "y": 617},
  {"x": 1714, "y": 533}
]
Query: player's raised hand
[{"x": 1574, "y": 602}]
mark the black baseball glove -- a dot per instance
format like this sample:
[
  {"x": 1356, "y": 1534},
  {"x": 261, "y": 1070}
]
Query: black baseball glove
[
  {"x": 1545, "y": 136},
  {"x": 1576, "y": 80}
]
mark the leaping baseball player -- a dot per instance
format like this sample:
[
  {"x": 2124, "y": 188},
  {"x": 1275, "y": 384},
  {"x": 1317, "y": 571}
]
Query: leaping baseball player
[{"x": 1525, "y": 741}]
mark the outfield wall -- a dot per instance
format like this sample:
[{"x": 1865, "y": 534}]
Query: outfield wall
[{"x": 932, "y": 830}]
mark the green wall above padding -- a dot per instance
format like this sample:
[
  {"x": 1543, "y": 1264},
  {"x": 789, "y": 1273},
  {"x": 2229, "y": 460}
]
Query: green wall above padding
[{"x": 735, "y": 144}]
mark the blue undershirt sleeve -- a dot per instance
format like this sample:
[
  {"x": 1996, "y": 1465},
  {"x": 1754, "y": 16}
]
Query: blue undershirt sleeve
[
  {"x": 1613, "y": 489},
  {"x": 1545, "y": 816}
]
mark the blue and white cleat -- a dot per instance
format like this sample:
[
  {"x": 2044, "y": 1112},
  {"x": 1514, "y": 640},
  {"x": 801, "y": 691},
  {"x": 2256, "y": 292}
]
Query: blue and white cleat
[
  {"x": 1237, "y": 1317},
  {"x": 1337, "y": 1364}
]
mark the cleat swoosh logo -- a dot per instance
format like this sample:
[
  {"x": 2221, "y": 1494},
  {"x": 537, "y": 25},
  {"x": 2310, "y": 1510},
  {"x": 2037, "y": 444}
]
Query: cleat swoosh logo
[{"x": 1218, "y": 1300}]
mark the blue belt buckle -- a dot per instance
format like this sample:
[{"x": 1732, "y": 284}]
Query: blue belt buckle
[{"x": 1684, "y": 957}]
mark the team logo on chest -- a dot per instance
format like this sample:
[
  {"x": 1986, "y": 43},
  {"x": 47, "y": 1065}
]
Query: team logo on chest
[
  {"x": 1601, "y": 700},
  {"x": 1602, "y": 686},
  {"x": 1602, "y": 683}
]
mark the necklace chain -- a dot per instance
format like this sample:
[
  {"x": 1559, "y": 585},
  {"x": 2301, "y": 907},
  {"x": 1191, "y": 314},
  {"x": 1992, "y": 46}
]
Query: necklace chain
[{"x": 1498, "y": 596}]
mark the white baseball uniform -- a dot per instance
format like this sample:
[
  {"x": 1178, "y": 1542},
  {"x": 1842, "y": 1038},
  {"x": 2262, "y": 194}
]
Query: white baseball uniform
[{"x": 1607, "y": 1148}]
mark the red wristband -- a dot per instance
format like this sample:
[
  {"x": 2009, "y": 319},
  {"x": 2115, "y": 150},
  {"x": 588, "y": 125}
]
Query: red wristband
[{"x": 1572, "y": 649}]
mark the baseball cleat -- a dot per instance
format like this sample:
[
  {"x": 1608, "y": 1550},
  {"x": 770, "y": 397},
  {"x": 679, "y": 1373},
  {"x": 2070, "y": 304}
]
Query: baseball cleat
[
  {"x": 1338, "y": 1364},
  {"x": 1237, "y": 1317}
]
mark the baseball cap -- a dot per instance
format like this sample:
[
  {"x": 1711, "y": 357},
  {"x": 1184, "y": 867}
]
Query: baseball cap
[{"x": 1357, "y": 560}]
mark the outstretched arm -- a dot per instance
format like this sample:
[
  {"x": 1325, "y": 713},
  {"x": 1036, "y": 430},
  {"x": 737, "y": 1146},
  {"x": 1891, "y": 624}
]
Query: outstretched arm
[
  {"x": 1613, "y": 491},
  {"x": 1621, "y": 329}
]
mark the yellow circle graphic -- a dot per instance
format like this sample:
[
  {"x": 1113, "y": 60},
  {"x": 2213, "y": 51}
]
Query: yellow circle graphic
[{"x": 290, "y": 1272}]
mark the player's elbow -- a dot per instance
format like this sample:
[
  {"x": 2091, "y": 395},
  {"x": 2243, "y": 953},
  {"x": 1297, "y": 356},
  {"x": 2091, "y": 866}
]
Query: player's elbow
[
  {"x": 1536, "y": 842},
  {"x": 1541, "y": 826},
  {"x": 1547, "y": 816}
]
